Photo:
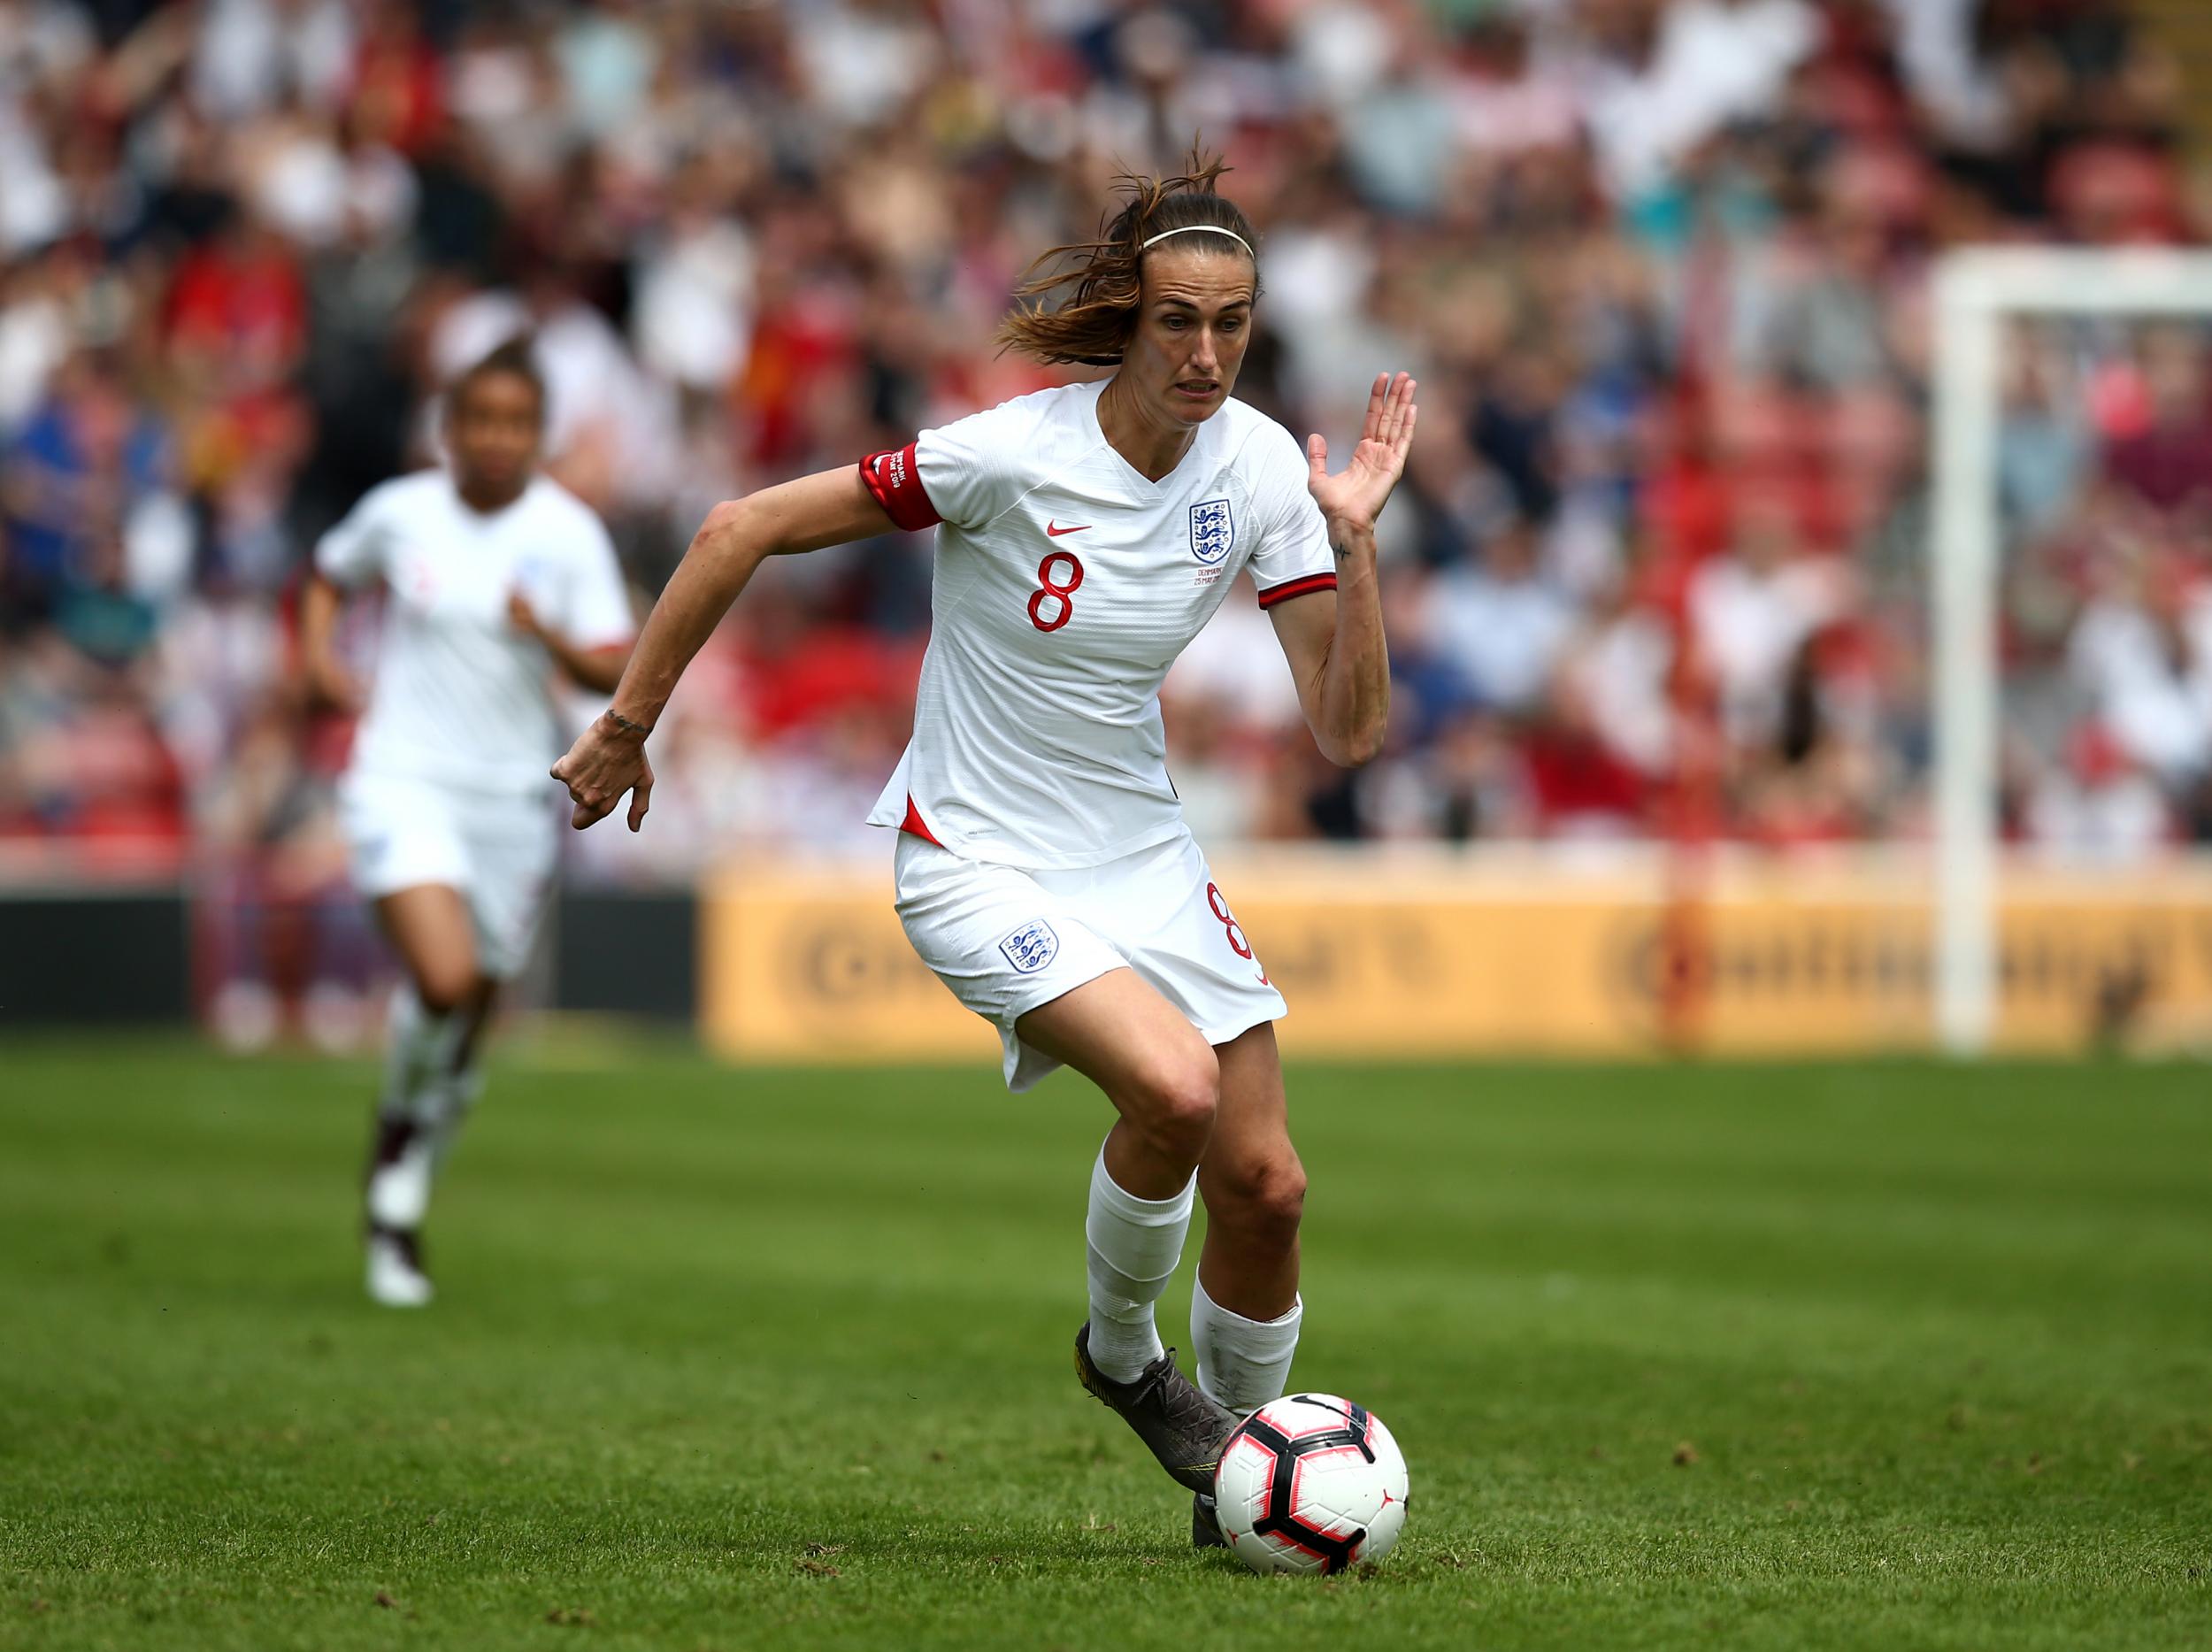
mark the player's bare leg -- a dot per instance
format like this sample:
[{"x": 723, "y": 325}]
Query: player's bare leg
[
  {"x": 1161, "y": 1076},
  {"x": 1254, "y": 1192},
  {"x": 437, "y": 1016},
  {"x": 1165, "y": 1084},
  {"x": 1245, "y": 1311}
]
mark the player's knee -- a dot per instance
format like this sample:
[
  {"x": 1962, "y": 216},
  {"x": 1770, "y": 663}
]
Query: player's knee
[
  {"x": 447, "y": 986},
  {"x": 1262, "y": 1200},
  {"x": 1177, "y": 1100}
]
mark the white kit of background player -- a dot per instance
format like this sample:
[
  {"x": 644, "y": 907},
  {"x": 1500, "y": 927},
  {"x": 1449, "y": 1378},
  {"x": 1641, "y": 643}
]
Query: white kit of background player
[{"x": 446, "y": 788}]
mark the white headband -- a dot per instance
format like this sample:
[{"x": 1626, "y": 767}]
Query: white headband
[{"x": 1204, "y": 229}]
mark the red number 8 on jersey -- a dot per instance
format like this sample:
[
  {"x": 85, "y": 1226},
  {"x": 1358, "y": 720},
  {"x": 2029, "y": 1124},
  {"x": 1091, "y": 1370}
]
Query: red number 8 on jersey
[
  {"x": 1238, "y": 944},
  {"x": 1061, "y": 588}
]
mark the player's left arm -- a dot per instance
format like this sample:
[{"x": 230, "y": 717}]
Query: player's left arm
[
  {"x": 1334, "y": 640},
  {"x": 809, "y": 514}
]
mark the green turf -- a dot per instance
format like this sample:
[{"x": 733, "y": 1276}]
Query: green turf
[{"x": 1884, "y": 1357}]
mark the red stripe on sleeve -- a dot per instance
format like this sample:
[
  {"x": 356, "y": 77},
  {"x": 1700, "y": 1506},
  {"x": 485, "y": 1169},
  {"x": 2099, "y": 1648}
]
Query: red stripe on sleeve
[
  {"x": 895, "y": 481},
  {"x": 1289, "y": 588}
]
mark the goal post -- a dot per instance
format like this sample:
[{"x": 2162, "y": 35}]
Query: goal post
[{"x": 1977, "y": 292}]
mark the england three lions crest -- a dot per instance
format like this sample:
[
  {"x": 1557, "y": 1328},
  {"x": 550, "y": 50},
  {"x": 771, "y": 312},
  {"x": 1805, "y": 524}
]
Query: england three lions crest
[
  {"x": 1213, "y": 530},
  {"x": 1031, "y": 946}
]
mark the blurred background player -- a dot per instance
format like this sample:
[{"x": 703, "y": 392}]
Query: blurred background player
[
  {"x": 498, "y": 582},
  {"x": 1044, "y": 870}
]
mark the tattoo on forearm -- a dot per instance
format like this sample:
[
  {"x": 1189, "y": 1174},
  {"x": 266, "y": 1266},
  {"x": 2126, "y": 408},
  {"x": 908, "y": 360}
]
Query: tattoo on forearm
[{"x": 1342, "y": 549}]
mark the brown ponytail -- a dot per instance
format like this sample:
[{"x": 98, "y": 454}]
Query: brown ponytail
[{"x": 1093, "y": 323}]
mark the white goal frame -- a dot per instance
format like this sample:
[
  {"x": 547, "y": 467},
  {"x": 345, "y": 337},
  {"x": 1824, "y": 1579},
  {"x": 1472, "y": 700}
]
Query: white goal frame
[{"x": 1976, "y": 291}]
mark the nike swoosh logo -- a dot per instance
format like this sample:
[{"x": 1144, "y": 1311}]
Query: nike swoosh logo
[{"x": 1054, "y": 530}]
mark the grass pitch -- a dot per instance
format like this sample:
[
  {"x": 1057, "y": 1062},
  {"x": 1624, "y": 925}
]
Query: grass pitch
[{"x": 1830, "y": 1356}]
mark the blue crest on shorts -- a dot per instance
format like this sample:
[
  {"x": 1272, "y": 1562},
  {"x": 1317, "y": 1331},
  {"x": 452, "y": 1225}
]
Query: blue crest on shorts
[
  {"x": 1212, "y": 531},
  {"x": 1031, "y": 946}
]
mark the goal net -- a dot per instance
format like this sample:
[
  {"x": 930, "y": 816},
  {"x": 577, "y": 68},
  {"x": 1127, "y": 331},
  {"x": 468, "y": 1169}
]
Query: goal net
[{"x": 2071, "y": 617}]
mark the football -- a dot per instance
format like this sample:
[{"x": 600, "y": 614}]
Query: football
[{"x": 1310, "y": 1483}]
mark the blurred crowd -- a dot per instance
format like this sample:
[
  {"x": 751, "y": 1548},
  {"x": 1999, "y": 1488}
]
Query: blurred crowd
[{"x": 1662, "y": 266}]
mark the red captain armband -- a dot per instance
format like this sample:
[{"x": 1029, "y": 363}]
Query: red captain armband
[
  {"x": 895, "y": 481},
  {"x": 1289, "y": 588}
]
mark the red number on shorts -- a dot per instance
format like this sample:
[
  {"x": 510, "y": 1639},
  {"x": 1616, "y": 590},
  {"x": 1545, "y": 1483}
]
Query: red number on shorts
[
  {"x": 1237, "y": 942},
  {"x": 1062, "y": 588}
]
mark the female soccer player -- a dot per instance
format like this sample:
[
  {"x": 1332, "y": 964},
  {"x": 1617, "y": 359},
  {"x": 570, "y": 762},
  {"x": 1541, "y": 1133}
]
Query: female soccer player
[
  {"x": 497, "y": 577},
  {"x": 1043, "y": 870}
]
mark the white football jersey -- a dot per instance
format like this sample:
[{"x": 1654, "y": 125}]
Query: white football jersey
[
  {"x": 461, "y": 697},
  {"x": 1066, "y": 582}
]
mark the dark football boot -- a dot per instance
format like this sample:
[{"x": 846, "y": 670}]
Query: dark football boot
[
  {"x": 1171, "y": 1415},
  {"x": 1205, "y": 1522}
]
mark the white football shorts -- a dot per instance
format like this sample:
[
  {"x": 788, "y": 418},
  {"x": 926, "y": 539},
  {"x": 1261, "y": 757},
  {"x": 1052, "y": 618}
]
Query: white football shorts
[
  {"x": 497, "y": 849},
  {"x": 1005, "y": 940}
]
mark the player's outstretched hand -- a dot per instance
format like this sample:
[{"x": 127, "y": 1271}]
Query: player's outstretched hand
[
  {"x": 1355, "y": 495},
  {"x": 605, "y": 762}
]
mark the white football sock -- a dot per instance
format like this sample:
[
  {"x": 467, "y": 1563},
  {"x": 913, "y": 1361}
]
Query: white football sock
[
  {"x": 458, "y": 1101},
  {"x": 1134, "y": 1245},
  {"x": 1242, "y": 1363},
  {"x": 399, "y": 1191},
  {"x": 418, "y": 1064},
  {"x": 418, "y": 1086}
]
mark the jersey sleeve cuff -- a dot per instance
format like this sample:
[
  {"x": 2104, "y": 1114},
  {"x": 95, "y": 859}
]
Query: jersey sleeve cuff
[
  {"x": 1300, "y": 586},
  {"x": 894, "y": 478}
]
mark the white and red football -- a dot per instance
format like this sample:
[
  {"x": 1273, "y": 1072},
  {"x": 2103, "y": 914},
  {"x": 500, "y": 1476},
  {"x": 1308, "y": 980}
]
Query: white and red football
[{"x": 1310, "y": 1483}]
